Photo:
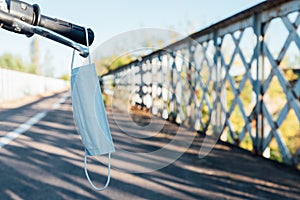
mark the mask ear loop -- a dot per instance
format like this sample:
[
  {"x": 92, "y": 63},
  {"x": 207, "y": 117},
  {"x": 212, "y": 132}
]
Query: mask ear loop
[
  {"x": 88, "y": 177},
  {"x": 86, "y": 153},
  {"x": 73, "y": 58},
  {"x": 88, "y": 47}
]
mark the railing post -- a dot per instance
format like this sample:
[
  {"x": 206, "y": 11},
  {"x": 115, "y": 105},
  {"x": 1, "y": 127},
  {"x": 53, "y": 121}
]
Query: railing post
[
  {"x": 259, "y": 129},
  {"x": 191, "y": 65},
  {"x": 141, "y": 92},
  {"x": 173, "y": 86},
  {"x": 217, "y": 79},
  {"x": 160, "y": 83}
]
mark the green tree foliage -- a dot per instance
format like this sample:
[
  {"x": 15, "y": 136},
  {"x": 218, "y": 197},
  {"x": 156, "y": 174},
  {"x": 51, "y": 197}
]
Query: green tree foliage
[
  {"x": 65, "y": 77},
  {"x": 32, "y": 69},
  {"x": 12, "y": 62},
  {"x": 275, "y": 99},
  {"x": 110, "y": 63}
]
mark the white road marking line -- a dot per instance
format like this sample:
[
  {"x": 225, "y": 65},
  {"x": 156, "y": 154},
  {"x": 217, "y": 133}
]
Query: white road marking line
[
  {"x": 61, "y": 101},
  {"x": 21, "y": 129},
  {"x": 9, "y": 137}
]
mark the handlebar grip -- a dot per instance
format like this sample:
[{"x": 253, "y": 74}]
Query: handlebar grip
[
  {"x": 31, "y": 14},
  {"x": 69, "y": 30}
]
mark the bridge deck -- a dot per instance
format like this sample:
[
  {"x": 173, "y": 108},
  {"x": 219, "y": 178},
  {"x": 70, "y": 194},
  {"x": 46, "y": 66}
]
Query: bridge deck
[{"x": 46, "y": 163}]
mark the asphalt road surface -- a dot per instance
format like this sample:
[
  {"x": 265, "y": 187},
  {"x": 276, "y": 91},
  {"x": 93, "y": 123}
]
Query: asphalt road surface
[{"x": 41, "y": 157}]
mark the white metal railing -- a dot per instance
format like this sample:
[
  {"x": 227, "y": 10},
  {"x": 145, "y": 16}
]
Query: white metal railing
[{"x": 241, "y": 74}]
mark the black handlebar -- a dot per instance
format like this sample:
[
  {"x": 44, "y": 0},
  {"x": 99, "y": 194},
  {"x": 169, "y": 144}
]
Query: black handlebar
[
  {"x": 31, "y": 14},
  {"x": 71, "y": 31}
]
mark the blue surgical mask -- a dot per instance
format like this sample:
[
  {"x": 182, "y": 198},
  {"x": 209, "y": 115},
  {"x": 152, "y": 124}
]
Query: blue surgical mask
[{"x": 90, "y": 116}]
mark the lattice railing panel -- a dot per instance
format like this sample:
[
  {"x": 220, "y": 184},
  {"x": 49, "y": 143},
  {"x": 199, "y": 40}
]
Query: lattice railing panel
[{"x": 241, "y": 74}]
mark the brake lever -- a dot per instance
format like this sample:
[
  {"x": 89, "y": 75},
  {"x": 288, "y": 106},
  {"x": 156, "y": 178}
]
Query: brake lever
[
  {"x": 12, "y": 23},
  {"x": 25, "y": 27}
]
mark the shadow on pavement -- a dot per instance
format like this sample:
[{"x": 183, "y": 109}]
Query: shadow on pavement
[{"x": 47, "y": 163}]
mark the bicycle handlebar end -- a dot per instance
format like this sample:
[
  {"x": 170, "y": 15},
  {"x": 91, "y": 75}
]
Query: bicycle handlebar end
[{"x": 23, "y": 18}]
